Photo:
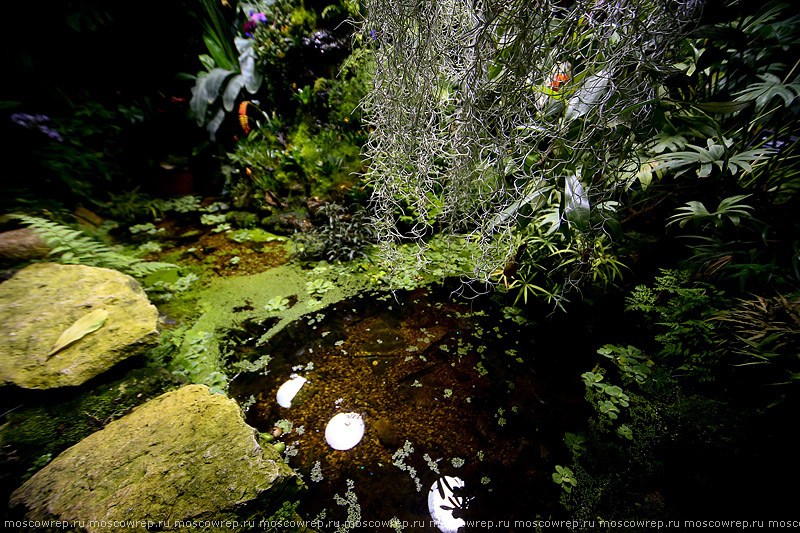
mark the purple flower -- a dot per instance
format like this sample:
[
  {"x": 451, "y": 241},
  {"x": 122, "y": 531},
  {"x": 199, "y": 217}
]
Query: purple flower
[
  {"x": 36, "y": 122},
  {"x": 255, "y": 20},
  {"x": 249, "y": 27},
  {"x": 25, "y": 120},
  {"x": 50, "y": 132}
]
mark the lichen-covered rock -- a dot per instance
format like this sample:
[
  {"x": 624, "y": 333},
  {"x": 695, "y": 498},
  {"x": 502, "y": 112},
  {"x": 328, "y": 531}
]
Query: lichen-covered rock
[
  {"x": 184, "y": 459},
  {"x": 43, "y": 300}
]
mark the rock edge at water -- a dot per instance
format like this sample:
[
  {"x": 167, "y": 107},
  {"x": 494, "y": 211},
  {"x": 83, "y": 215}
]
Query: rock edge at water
[{"x": 185, "y": 455}]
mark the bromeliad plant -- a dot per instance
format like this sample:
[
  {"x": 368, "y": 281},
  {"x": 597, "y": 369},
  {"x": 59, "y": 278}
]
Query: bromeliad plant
[
  {"x": 249, "y": 51},
  {"x": 230, "y": 66}
]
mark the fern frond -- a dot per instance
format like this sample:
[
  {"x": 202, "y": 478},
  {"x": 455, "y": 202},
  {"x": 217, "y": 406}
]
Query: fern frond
[
  {"x": 141, "y": 269},
  {"x": 72, "y": 247}
]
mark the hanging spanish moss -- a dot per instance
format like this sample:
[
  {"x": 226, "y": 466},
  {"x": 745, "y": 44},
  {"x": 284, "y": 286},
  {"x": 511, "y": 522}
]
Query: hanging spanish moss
[{"x": 474, "y": 113}]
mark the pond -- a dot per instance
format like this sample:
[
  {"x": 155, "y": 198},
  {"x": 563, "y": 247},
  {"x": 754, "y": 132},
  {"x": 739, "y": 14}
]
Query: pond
[{"x": 459, "y": 411}]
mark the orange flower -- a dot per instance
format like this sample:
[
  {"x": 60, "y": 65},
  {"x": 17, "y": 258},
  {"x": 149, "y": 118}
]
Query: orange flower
[
  {"x": 558, "y": 80},
  {"x": 244, "y": 122}
]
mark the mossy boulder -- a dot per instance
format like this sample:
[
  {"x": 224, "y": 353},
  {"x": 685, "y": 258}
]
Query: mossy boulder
[
  {"x": 43, "y": 300},
  {"x": 241, "y": 219},
  {"x": 287, "y": 222},
  {"x": 184, "y": 456}
]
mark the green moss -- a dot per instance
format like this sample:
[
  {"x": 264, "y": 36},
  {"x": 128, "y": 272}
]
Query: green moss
[
  {"x": 303, "y": 19},
  {"x": 241, "y": 219},
  {"x": 320, "y": 85},
  {"x": 350, "y": 87},
  {"x": 233, "y": 480},
  {"x": 227, "y": 302},
  {"x": 40, "y": 430}
]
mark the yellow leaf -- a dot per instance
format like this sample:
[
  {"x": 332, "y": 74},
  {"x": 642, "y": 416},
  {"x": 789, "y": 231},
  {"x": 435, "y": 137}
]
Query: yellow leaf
[{"x": 82, "y": 327}]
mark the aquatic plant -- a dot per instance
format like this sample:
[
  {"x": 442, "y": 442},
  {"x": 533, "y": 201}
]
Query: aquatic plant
[
  {"x": 431, "y": 463},
  {"x": 277, "y": 304},
  {"x": 396, "y": 524},
  {"x": 319, "y": 287},
  {"x": 162, "y": 290},
  {"x": 575, "y": 443},
  {"x": 209, "y": 219},
  {"x": 148, "y": 228},
  {"x": 248, "y": 403},
  {"x": 625, "y": 432},
  {"x": 189, "y": 361},
  {"x": 398, "y": 460},
  {"x": 316, "y": 472},
  {"x": 286, "y": 514},
  {"x": 563, "y": 476},
  {"x": 630, "y": 360},
  {"x": 150, "y": 247},
  {"x": 183, "y": 204},
  {"x": 350, "y": 500},
  {"x": 290, "y": 451},
  {"x": 611, "y": 397},
  {"x": 285, "y": 425}
]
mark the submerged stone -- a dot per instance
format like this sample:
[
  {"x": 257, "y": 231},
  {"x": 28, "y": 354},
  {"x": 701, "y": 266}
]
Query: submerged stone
[
  {"x": 185, "y": 456},
  {"x": 42, "y": 301}
]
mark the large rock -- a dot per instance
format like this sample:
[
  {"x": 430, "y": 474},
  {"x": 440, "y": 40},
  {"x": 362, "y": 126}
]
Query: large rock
[
  {"x": 22, "y": 245},
  {"x": 43, "y": 300},
  {"x": 184, "y": 456}
]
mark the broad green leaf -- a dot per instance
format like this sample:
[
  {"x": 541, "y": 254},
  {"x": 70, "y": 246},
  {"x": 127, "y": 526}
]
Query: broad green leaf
[
  {"x": 588, "y": 95},
  {"x": 214, "y": 82},
  {"x": 217, "y": 52},
  {"x": 767, "y": 89},
  {"x": 232, "y": 91},
  {"x": 745, "y": 159},
  {"x": 508, "y": 213},
  {"x": 247, "y": 64},
  {"x": 243, "y": 44},
  {"x": 82, "y": 327},
  {"x": 732, "y": 202},
  {"x": 668, "y": 142},
  {"x": 215, "y": 123},
  {"x": 208, "y": 62},
  {"x": 198, "y": 103},
  {"x": 722, "y": 108}
]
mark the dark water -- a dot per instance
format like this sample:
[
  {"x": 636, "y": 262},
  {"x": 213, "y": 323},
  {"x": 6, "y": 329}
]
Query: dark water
[{"x": 470, "y": 390}]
